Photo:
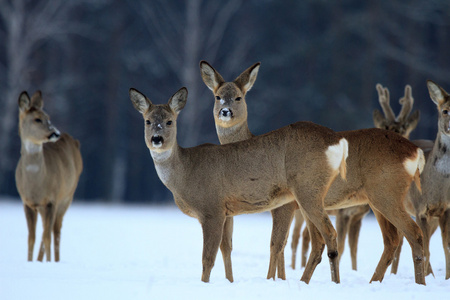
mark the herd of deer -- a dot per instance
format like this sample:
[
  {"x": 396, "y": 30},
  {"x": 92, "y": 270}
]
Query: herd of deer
[{"x": 303, "y": 170}]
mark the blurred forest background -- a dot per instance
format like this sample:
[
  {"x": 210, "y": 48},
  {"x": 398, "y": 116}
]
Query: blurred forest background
[{"x": 320, "y": 62}]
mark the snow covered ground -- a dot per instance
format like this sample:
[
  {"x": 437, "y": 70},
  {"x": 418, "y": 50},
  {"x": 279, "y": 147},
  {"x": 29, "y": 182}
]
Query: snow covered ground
[{"x": 154, "y": 252}]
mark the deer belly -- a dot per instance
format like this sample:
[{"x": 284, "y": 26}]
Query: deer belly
[{"x": 247, "y": 205}]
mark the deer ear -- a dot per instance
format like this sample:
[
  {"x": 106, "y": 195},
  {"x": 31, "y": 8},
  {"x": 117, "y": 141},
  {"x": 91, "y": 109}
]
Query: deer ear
[
  {"x": 36, "y": 100},
  {"x": 378, "y": 119},
  {"x": 210, "y": 77},
  {"x": 178, "y": 100},
  {"x": 437, "y": 93},
  {"x": 24, "y": 101},
  {"x": 246, "y": 80},
  {"x": 140, "y": 102},
  {"x": 412, "y": 122}
]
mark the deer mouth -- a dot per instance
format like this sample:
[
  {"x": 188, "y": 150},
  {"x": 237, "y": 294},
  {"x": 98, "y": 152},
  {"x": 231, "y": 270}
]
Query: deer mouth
[
  {"x": 54, "y": 136},
  {"x": 225, "y": 114},
  {"x": 157, "y": 141}
]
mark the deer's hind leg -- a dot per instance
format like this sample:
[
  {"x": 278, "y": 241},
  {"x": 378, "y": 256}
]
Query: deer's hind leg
[
  {"x": 298, "y": 222},
  {"x": 444, "y": 223},
  {"x": 311, "y": 203},
  {"x": 60, "y": 212},
  {"x": 212, "y": 227},
  {"x": 48, "y": 214},
  {"x": 305, "y": 246},
  {"x": 317, "y": 247},
  {"x": 282, "y": 219},
  {"x": 391, "y": 241},
  {"x": 353, "y": 233},
  {"x": 226, "y": 246},
  {"x": 395, "y": 213},
  {"x": 31, "y": 217}
]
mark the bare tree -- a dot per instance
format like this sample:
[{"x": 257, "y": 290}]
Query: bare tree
[
  {"x": 26, "y": 26},
  {"x": 183, "y": 35}
]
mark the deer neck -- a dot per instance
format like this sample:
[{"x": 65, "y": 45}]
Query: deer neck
[
  {"x": 32, "y": 156},
  {"x": 167, "y": 163},
  {"x": 236, "y": 133},
  {"x": 440, "y": 156}
]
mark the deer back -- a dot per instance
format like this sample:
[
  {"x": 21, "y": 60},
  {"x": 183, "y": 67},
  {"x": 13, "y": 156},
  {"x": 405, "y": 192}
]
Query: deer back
[{"x": 248, "y": 176}]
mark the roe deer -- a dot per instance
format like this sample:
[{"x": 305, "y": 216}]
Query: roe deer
[
  {"x": 213, "y": 182},
  {"x": 434, "y": 202},
  {"x": 377, "y": 158},
  {"x": 403, "y": 124},
  {"x": 230, "y": 115},
  {"x": 47, "y": 173}
]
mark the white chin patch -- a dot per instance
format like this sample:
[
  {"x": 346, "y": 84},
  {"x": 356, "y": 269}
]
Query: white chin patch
[{"x": 225, "y": 119}]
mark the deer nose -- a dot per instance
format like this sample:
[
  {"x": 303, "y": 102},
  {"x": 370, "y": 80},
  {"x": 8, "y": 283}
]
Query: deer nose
[
  {"x": 54, "y": 136},
  {"x": 157, "y": 140},
  {"x": 226, "y": 112}
]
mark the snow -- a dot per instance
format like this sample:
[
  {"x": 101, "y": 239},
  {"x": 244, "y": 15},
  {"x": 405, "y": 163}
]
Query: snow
[{"x": 154, "y": 252}]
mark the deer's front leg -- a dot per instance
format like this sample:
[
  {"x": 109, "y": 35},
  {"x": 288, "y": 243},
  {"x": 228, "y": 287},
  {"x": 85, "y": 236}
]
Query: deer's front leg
[
  {"x": 212, "y": 227},
  {"x": 31, "y": 216}
]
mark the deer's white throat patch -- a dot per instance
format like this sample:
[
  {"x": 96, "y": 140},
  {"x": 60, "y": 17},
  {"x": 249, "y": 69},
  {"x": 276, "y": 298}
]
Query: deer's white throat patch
[
  {"x": 442, "y": 163},
  {"x": 162, "y": 171},
  {"x": 31, "y": 147},
  {"x": 32, "y": 168}
]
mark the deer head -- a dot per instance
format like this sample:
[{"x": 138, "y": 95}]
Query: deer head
[
  {"x": 160, "y": 120},
  {"x": 404, "y": 123},
  {"x": 442, "y": 100},
  {"x": 230, "y": 107},
  {"x": 34, "y": 124}
]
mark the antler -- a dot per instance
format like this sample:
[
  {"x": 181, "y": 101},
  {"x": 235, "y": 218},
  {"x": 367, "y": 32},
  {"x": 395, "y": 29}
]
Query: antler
[
  {"x": 407, "y": 104},
  {"x": 383, "y": 97}
]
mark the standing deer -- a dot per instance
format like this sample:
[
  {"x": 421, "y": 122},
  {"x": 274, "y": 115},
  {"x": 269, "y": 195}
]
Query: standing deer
[
  {"x": 377, "y": 158},
  {"x": 403, "y": 124},
  {"x": 231, "y": 125},
  {"x": 47, "y": 173},
  {"x": 434, "y": 202},
  {"x": 213, "y": 182}
]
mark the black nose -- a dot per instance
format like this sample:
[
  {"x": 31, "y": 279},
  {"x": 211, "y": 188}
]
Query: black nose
[
  {"x": 54, "y": 135},
  {"x": 157, "y": 139},
  {"x": 226, "y": 112}
]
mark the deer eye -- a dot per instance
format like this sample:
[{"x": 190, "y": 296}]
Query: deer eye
[
  {"x": 169, "y": 123},
  {"x": 148, "y": 122},
  {"x": 445, "y": 112},
  {"x": 217, "y": 98},
  {"x": 37, "y": 120},
  {"x": 238, "y": 98}
]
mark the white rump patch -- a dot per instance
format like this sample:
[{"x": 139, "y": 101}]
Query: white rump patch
[
  {"x": 32, "y": 168},
  {"x": 411, "y": 165},
  {"x": 337, "y": 153}
]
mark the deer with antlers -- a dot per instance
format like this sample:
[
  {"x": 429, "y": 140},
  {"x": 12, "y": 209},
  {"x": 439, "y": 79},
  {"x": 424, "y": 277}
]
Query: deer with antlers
[
  {"x": 47, "y": 173},
  {"x": 403, "y": 124},
  {"x": 376, "y": 158}
]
